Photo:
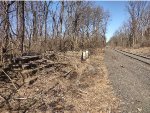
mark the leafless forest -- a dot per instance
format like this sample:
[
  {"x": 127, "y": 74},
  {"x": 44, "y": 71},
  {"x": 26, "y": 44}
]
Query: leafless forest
[
  {"x": 41, "y": 67},
  {"x": 60, "y": 26},
  {"x": 54, "y": 58},
  {"x": 135, "y": 32}
]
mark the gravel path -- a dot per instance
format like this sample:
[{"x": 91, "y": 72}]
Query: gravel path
[{"x": 131, "y": 81}]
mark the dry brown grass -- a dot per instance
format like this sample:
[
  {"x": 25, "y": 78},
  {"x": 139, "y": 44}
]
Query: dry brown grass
[
  {"x": 98, "y": 97},
  {"x": 85, "y": 90},
  {"x": 142, "y": 51}
]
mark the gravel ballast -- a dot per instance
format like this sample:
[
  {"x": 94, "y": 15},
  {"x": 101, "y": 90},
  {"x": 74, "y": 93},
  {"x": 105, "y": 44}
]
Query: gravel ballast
[{"x": 131, "y": 81}]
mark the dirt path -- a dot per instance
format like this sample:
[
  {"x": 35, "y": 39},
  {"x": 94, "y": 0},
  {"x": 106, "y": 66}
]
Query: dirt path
[{"x": 131, "y": 80}]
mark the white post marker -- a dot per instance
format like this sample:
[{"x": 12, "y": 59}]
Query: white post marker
[{"x": 85, "y": 55}]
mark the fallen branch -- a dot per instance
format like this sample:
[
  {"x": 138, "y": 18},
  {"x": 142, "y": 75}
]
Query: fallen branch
[
  {"x": 9, "y": 79},
  {"x": 20, "y": 98},
  {"x": 81, "y": 91},
  {"x": 67, "y": 73},
  {"x": 2, "y": 97}
]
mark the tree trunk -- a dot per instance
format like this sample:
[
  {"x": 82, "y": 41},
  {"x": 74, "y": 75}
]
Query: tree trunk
[
  {"x": 5, "y": 42},
  {"x": 21, "y": 25}
]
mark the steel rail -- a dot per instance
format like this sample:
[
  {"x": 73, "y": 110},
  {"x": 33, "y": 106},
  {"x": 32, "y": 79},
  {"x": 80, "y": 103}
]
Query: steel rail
[
  {"x": 141, "y": 58},
  {"x": 136, "y": 54}
]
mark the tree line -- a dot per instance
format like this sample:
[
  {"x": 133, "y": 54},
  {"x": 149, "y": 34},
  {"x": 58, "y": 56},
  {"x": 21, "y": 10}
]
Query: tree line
[
  {"x": 38, "y": 26},
  {"x": 135, "y": 32}
]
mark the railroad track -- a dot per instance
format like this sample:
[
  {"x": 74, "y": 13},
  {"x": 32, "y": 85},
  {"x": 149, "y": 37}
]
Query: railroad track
[{"x": 141, "y": 58}]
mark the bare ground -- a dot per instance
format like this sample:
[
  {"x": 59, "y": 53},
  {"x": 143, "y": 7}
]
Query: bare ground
[{"x": 70, "y": 87}]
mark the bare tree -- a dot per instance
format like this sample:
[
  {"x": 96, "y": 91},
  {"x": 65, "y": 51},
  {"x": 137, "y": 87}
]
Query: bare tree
[
  {"x": 56, "y": 25},
  {"x": 21, "y": 25},
  {"x": 136, "y": 11},
  {"x": 46, "y": 10},
  {"x": 134, "y": 31},
  {"x": 6, "y": 28}
]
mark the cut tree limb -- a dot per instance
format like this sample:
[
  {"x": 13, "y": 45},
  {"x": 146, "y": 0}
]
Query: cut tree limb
[{"x": 67, "y": 73}]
